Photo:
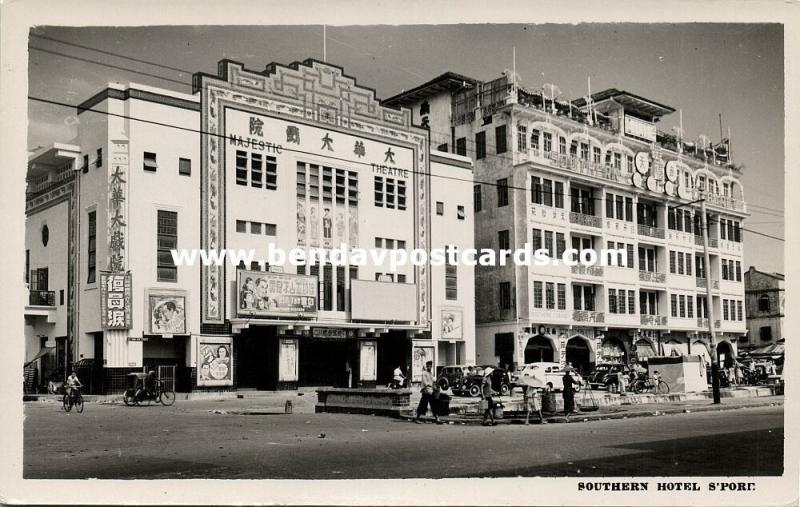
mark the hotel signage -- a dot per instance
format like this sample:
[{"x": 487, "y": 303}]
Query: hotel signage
[{"x": 640, "y": 128}]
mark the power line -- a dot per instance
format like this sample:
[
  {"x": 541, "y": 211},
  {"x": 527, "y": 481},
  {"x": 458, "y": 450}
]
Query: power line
[
  {"x": 189, "y": 129},
  {"x": 110, "y": 53},
  {"x": 117, "y": 67}
]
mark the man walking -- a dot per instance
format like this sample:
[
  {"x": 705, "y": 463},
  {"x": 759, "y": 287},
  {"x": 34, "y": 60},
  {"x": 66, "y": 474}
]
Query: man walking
[{"x": 429, "y": 390}]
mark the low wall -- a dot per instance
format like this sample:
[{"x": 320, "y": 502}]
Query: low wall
[{"x": 363, "y": 401}]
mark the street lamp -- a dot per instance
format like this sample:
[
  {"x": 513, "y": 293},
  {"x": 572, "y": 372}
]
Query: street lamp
[{"x": 709, "y": 306}]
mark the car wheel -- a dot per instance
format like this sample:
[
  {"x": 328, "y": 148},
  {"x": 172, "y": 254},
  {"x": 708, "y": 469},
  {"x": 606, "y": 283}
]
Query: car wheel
[
  {"x": 444, "y": 385},
  {"x": 474, "y": 391},
  {"x": 505, "y": 389}
]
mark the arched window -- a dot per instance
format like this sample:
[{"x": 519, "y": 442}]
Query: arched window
[{"x": 763, "y": 303}]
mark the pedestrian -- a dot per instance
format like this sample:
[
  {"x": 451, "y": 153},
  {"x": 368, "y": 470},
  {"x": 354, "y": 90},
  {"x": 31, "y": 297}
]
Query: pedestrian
[
  {"x": 429, "y": 395},
  {"x": 737, "y": 373},
  {"x": 486, "y": 397},
  {"x": 533, "y": 403},
  {"x": 621, "y": 382},
  {"x": 348, "y": 371},
  {"x": 568, "y": 392}
]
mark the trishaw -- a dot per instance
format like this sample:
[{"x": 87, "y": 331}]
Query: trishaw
[{"x": 144, "y": 388}]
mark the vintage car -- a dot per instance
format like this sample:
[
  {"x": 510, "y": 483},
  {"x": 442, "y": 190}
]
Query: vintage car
[
  {"x": 470, "y": 384},
  {"x": 450, "y": 375},
  {"x": 544, "y": 373},
  {"x": 605, "y": 374}
]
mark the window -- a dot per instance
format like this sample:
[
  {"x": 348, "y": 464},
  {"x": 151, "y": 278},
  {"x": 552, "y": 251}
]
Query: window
[
  {"x": 621, "y": 306},
  {"x": 522, "y": 138},
  {"x": 480, "y": 145},
  {"x": 765, "y": 333},
  {"x": 682, "y": 305},
  {"x": 86, "y": 164},
  {"x": 673, "y": 299},
  {"x": 689, "y": 264},
  {"x": 460, "y": 212},
  {"x": 327, "y": 287},
  {"x": 725, "y": 309},
  {"x": 99, "y": 162},
  {"x": 550, "y": 295},
  {"x": 689, "y": 307},
  {"x": 184, "y": 167},
  {"x": 442, "y": 147},
  {"x": 167, "y": 240},
  {"x": 27, "y": 265},
  {"x": 534, "y": 139},
  {"x": 379, "y": 191},
  {"x": 562, "y": 145},
  {"x": 612, "y": 300},
  {"x": 724, "y": 269},
  {"x": 401, "y": 278},
  {"x": 763, "y": 303},
  {"x": 500, "y": 139},
  {"x": 738, "y": 271},
  {"x": 91, "y": 253},
  {"x": 628, "y": 209},
  {"x": 630, "y": 260},
  {"x": 548, "y": 243},
  {"x": 561, "y": 245},
  {"x": 680, "y": 263},
  {"x": 547, "y": 190},
  {"x": 502, "y": 192},
  {"x": 451, "y": 282},
  {"x": 439, "y": 208},
  {"x": 536, "y": 190},
  {"x": 461, "y": 146},
  {"x": 61, "y": 297},
  {"x": 739, "y": 310},
  {"x": 537, "y": 295},
  {"x": 672, "y": 261},
  {"x": 150, "y": 163},
  {"x": 241, "y": 167},
  {"x": 270, "y": 230},
  {"x": 255, "y": 266},
  {"x": 722, "y": 229},
  {"x": 45, "y": 235},
  {"x": 378, "y": 242},
  {"x": 241, "y": 226},
  {"x": 548, "y": 142},
  {"x": 505, "y": 295},
  {"x": 559, "y": 194},
  {"x": 477, "y": 200},
  {"x": 503, "y": 241},
  {"x": 537, "y": 240},
  {"x": 401, "y": 195},
  {"x": 631, "y": 302},
  {"x": 562, "y": 296}
]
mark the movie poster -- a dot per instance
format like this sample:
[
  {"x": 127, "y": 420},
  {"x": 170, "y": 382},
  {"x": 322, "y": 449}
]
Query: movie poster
[{"x": 214, "y": 361}]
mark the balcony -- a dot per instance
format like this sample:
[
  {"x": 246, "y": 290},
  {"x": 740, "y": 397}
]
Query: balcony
[
  {"x": 653, "y": 232},
  {"x": 587, "y": 270},
  {"x": 652, "y": 276},
  {"x": 702, "y": 323},
  {"x": 653, "y": 320},
  {"x": 42, "y": 298},
  {"x": 587, "y": 220},
  {"x": 588, "y": 316}
]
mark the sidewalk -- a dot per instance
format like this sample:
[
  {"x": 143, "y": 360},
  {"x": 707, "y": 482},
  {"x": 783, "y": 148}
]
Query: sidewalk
[{"x": 620, "y": 411}]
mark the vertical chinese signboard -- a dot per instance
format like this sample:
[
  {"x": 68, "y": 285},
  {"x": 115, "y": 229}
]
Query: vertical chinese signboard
[{"x": 115, "y": 300}]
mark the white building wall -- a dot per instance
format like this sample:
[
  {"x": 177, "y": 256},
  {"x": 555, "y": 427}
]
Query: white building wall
[{"x": 452, "y": 185}]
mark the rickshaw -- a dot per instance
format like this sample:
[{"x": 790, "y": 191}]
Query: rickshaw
[{"x": 144, "y": 388}]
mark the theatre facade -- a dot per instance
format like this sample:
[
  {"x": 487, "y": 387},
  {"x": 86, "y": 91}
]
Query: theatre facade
[{"x": 296, "y": 156}]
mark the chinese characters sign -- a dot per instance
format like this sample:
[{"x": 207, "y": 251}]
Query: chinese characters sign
[
  {"x": 261, "y": 293},
  {"x": 115, "y": 300}
]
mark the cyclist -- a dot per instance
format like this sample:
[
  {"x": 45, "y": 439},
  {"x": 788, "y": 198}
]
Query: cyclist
[
  {"x": 73, "y": 383},
  {"x": 656, "y": 378}
]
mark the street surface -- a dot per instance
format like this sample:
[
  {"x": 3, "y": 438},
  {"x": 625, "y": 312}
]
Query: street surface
[{"x": 188, "y": 440}]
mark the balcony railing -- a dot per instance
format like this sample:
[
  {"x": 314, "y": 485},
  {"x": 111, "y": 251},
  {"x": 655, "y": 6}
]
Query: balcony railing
[
  {"x": 652, "y": 276},
  {"x": 587, "y": 220},
  {"x": 39, "y": 184},
  {"x": 702, "y": 322},
  {"x": 588, "y": 316},
  {"x": 653, "y": 320},
  {"x": 42, "y": 298},
  {"x": 700, "y": 283},
  {"x": 713, "y": 243},
  {"x": 653, "y": 232},
  {"x": 546, "y": 316},
  {"x": 587, "y": 270}
]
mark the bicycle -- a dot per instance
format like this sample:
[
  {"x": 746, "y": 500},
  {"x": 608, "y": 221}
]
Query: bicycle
[
  {"x": 75, "y": 400},
  {"x": 646, "y": 385}
]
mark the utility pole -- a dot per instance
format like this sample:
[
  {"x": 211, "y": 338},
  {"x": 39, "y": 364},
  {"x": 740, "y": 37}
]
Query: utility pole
[{"x": 709, "y": 307}]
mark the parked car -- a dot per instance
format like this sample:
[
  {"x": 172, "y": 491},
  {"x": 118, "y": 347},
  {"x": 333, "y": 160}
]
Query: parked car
[
  {"x": 605, "y": 374},
  {"x": 450, "y": 375},
  {"x": 470, "y": 384},
  {"x": 545, "y": 372}
]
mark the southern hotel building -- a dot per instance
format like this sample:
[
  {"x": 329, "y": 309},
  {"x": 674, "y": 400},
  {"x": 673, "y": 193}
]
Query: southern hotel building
[{"x": 303, "y": 156}]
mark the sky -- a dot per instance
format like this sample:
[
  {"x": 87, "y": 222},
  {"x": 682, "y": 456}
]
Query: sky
[{"x": 702, "y": 69}]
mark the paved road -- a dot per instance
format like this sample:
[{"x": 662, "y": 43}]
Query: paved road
[{"x": 189, "y": 441}]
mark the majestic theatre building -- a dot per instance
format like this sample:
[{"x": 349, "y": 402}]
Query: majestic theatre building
[{"x": 296, "y": 156}]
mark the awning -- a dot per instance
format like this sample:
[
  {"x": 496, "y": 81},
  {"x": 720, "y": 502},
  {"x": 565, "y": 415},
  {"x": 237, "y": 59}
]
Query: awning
[
  {"x": 773, "y": 349},
  {"x": 42, "y": 352}
]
